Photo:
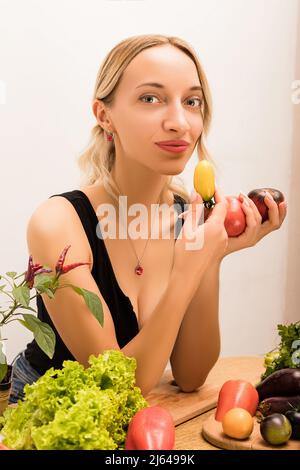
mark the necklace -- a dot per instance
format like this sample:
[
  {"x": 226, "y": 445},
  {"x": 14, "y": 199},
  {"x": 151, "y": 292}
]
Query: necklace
[{"x": 139, "y": 268}]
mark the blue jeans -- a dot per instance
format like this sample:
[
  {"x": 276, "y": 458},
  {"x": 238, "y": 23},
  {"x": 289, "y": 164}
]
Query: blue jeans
[{"x": 22, "y": 374}]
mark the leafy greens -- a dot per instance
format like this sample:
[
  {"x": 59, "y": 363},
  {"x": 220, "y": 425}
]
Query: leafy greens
[
  {"x": 76, "y": 408},
  {"x": 288, "y": 352}
]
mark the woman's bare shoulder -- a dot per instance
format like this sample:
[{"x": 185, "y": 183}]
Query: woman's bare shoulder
[
  {"x": 55, "y": 220},
  {"x": 53, "y": 211}
]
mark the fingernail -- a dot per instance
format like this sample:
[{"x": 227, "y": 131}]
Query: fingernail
[
  {"x": 245, "y": 198},
  {"x": 243, "y": 194},
  {"x": 269, "y": 195}
]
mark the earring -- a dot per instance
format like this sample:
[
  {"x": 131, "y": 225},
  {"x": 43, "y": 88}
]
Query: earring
[{"x": 109, "y": 137}]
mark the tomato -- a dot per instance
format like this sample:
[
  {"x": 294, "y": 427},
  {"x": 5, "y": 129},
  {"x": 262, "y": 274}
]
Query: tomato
[
  {"x": 276, "y": 429},
  {"x": 294, "y": 418},
  {"x": 204, "y": 180},
  {"x": 258, "y": 196},
  {"x": 238, "y": 423},
  {"x": 151, "y": 428},
  {"x": 236, "y": 394},
  {"x": 235, "y": 221}
]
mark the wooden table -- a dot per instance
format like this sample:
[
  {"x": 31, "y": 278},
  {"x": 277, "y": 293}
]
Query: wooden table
[
  {"x": 188, "y": 435},
  {"x": 188, "y": 431}
]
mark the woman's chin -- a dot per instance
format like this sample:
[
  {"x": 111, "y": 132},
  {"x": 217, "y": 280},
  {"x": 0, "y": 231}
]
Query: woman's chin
[{"x": 173, "y": 169}]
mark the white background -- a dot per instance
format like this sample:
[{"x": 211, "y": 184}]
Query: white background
[{"x": 50, "y": 53}]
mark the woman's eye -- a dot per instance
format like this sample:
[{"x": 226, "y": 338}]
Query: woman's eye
[
  {"x": 146, "y": 97},
  {"x": 196, "y": 99}
]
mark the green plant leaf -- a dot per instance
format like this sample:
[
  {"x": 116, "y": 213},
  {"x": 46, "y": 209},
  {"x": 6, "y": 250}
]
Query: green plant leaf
[
  {"x": 2, "y": 355},
  {"x": 106, "y": 382},
  {"x": 92, "y": 301},
  {"x": 49, "y": 292},
  {"x": 2, "y": 287},
  {"x": 43, "y": 281},
  {"x": 29, "y": 308},
  {"x": 11, "y": 274},
  {"x": 22, "y": 295},
  {"x": 3, "y": 363},
  {"x": 3, "y": 371},
  {"x": 42, "y": 332}
]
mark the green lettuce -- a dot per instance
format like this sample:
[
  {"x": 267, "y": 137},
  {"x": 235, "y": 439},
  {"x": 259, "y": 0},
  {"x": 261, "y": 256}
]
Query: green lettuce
[
  {"x": 76, "y": 408},
  {"x": 286, "y": 355}
]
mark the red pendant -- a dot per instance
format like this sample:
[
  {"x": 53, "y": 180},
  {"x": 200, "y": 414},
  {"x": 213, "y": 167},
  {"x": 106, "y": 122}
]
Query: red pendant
[{"x": 139, "y": 270}]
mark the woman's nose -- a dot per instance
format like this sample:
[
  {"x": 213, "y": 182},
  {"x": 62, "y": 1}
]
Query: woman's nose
[{"x": 176, "y": 118}]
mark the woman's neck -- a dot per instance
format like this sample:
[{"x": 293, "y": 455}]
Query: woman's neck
[{"x": 140, "y": 185}]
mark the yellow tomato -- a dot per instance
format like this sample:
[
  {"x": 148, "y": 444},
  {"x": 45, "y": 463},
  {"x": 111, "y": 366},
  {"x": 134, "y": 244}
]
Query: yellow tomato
[
  {"x": 238, "y": 423},
  {"x": 204, "y": 180}
]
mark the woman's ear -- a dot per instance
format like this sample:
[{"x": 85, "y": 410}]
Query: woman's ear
[{"x": 100, "y": 113}]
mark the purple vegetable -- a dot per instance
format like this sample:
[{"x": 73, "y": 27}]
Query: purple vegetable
[
  {"x": 283, "y": 382},
  {"x": 294, "y": 418},
  {"x": 281, "y": 405}
]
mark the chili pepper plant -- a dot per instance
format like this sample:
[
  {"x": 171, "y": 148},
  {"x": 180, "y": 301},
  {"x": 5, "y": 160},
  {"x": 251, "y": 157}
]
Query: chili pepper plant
[{"x": 42, "y": 280}]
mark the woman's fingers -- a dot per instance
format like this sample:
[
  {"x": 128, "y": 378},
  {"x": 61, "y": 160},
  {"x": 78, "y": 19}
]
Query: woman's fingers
[
  {"x": 244, "y": 198},
  {"x": 193, "y": 215},
  {"x": 218, "y": 196},
  {"x": 282, "y": 211},
  {"x": 273, "y": 212},
  {"x": 220, "y": 209}
]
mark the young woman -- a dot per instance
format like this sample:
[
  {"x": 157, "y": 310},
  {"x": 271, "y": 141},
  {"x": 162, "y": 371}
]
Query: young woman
[{"x": 160, "y": 298}]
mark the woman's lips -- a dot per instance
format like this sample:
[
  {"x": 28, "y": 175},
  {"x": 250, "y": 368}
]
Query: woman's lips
[{"x": 173, "y": 148}]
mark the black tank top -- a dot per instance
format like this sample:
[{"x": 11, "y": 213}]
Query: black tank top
[{"x": 120, "y": 306}]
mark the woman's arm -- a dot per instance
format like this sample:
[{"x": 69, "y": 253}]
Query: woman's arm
[
  {"x": 197, "y": 346},
  {"x": 78, "y": 328},
  {"x": 153, "y": 345}
]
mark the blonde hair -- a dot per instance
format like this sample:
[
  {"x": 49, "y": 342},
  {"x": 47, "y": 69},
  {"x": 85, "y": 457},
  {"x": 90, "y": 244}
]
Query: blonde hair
[{"x": 97, "y": 160}]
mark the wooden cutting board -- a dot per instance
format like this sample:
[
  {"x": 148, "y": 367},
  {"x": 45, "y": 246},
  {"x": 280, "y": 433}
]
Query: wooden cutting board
[
  {"x": 212, "y": 431},
  {"x": 184, "y": 406}
]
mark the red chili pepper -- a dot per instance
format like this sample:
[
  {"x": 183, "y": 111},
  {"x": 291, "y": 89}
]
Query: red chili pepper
[
  {"x": 61, "y": 260},
  {"x": 68, "y": 268},
  {"x": 60, "y": 268},
  {"x": 33, "y": 270},
  {"x": 236, "y": 394},
  {"x": 151, "y": 428}
]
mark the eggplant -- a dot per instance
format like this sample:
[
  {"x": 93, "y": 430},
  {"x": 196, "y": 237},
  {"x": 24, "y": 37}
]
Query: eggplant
[
  {"x": 282, "y": 382},
  {"x": 281, "y": 405},
  {"x": 294, "y": 418}
]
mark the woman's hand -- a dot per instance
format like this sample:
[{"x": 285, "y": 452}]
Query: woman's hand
[
  {"x": 255, "y": 230},
  {"x": 200, "y": 243}
]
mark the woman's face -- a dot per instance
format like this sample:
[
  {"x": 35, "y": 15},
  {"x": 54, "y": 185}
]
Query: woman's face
[{"x": 143, "y": 115}]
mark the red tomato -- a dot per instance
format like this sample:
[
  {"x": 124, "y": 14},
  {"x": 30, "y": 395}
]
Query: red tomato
[
  {"x": 235, "y": 221},
  {"x": 237, "y": 394},
  {"x": 151, "y": 428}
]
